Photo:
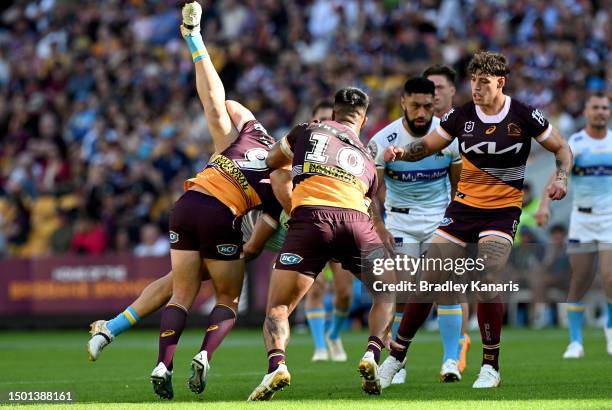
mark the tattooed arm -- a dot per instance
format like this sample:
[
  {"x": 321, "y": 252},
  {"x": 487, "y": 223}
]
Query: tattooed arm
[
  {"x": 557, "y": 188},
  {"x": 417, "y": 150}
]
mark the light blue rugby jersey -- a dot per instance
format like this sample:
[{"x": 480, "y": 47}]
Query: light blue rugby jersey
[
  {"x": 422, "y": 186},
  {"x": 591, "y": 179}
]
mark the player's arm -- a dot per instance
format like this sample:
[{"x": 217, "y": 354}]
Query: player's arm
[
  {"x": 419, "y": 149},
  {"x": 281, "y": 154},
  {"x": 555, "y": 143},
  {"x": 208, "y": 84},
  {"x": 377, "y": 207},
  {"x": 265, "y": 226},
  {"x": 454, "y": 172},
  {"x": 282, "y": 186},
  {"x": 239, "y": 114}
]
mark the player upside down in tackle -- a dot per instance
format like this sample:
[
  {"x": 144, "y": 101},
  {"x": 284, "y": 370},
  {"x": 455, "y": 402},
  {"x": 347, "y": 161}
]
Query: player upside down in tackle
[
  {"x": 494, "y": 133},
  {"x": 333, "y": 184},
  {"x": 235, "y": 181}
]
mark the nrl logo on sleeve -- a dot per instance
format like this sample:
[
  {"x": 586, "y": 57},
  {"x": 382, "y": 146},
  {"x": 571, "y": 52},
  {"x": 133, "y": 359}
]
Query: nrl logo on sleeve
[
  {"x": 445, "y": 118},
  {"x": 174, "y": 237},
  {"x": 227, "y": 249},
  {"x": 290, "y": 259}
]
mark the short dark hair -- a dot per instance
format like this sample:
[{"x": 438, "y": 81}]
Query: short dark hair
[
  {"x": 350, "y": 102},
  {"x": 490, "y": 63},
  {"x": 558, "y": 228},
  {"x": 596, "y": 94},
  {"x": 419, "y": 85},
  {"x": 321, "y": 105},
  {"x": 443, "y": 70}
]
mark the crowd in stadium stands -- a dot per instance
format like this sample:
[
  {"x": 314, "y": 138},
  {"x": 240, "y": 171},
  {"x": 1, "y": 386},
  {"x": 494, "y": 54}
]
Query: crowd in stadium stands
[{"x": 100, "y": 122}]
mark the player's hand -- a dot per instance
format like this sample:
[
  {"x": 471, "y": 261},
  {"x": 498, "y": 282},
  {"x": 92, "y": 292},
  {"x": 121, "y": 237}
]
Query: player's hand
[
  {"x": 557, "y": 190},
  {"x": 392, "y": 152},
  {"x": 192, "y": 14},
  {"x": 542, "y": 216},
  {"x": 249, "y": 251},
  {"x": 385, "y": 236}
]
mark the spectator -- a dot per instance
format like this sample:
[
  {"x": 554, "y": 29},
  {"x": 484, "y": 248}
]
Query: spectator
[
  {"x": 108, "y": 85},
  {"x": 89, "y": 237},
  {"x": 151, "y": 242}
]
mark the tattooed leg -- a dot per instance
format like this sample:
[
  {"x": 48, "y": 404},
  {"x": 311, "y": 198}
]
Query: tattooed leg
[
  {"x": 287, "y": 288},
  {"x": 490, "y": 312}
]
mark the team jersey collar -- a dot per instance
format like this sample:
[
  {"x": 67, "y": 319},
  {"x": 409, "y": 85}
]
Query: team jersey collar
[{"x": 497, "y": 118}]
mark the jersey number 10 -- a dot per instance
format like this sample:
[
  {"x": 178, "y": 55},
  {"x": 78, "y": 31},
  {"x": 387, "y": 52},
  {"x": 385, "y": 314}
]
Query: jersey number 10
[{"x": 347, "y": 158}]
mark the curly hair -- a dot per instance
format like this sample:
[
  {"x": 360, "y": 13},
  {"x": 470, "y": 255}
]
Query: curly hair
[{"x": 490, "y": 63}]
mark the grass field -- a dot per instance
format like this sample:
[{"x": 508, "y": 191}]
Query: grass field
[{"x": 533, "y": 373}]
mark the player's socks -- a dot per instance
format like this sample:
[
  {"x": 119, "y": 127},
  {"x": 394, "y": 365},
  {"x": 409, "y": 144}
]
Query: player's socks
[
  {"x": 460, "y": 344},
  {"x": 449, "y": 320},
  {"x": 172, "y": 324},
  {"x": 609, "y": 322},
  {"x": 375, "y": 345},
  {"x": 415, "y": 315},
  {"x": 338, "y": 321},
  {"x": 275, "y": 358},
  {"x": 575, "y": 320},
  {"x": 316, "y": 323},
  {"x": 123, "y": 321},
  {"x": 490, "y": 317},
  {"x": 220, "y": 322},
  {"x": 397, "y": 318}
]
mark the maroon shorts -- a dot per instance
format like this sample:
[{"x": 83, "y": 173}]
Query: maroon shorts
[
  {"x": 464, "y": 224},
  {"x": 318, "y": 234},
  {"x": 200, "y": 222}
]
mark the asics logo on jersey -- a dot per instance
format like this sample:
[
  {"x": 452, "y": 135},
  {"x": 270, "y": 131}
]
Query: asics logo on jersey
[
  {"x": 290, "y": 259},
  {"x": 490, "y": 147},
  {"x": 491, "y": 130},
  {"x": 227, "y": 249},
  {"x": 168, "y": 333}
]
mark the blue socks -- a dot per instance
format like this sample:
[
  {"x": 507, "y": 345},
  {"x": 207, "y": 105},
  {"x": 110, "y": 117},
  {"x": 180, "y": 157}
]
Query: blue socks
[
  {"x": 609, "y": 322},
  {"x": 123, "y": 321},
  {"x": 460, "y": 345},
  {"x": 449, "y": 319},
  {"x": 196, "y": 47},
  {"x": 575, "y": 320},
  {"x": 338, "y": 321},
  {"x": 397, "y": 318},
  {"x": 316, "y": 323}
]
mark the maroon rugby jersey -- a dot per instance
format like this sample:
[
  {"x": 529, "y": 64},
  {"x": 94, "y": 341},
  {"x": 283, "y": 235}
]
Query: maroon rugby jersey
[
  {"x": 331, "y": 167},
  {"x": 238, "y": 176},
  {"x": 494, "y": 151}
]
